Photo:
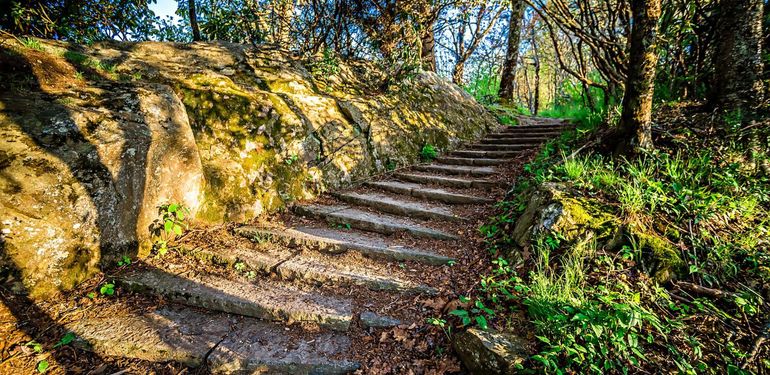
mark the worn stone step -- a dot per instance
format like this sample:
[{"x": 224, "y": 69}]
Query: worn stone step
[
  {"x": 534, "y": 135},
  {"x": 223, "y": 343},
  {"x": 482, "y": 162},
  {"x": 324, "y": 271},
  {"x": 338, "y": 241},
  {"x": 456, "y": 170},
  {"x": 344, "y": 215},
  {"x": 260, "y": 299},
  {"x": 514, "y": 141},
  {"x": 552, "y": 126},
  {"x": 486, "y": 147},
  {"x": 439, "y": 195},
  {"x": 481, "y": 154},
  {"x": 385, "y": 203}
]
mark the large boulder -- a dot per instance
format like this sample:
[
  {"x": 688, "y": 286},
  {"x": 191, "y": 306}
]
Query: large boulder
[
  {"x": 489, "y": 352},
  {"x": 95, "y": 138}
]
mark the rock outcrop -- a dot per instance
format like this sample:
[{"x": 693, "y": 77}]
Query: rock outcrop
[{"x": 95, "y": 138}]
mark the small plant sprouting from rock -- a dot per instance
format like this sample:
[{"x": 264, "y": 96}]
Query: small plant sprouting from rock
[
  {"x": 429, "y": 152},
  {"x": 124, "y": 261},
  {"x": 107, "y": 289},
  {"x": 171, "y": 224}
]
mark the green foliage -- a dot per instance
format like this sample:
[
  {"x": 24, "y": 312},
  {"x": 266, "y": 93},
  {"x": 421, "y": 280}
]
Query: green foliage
[
  {"x": 124, "y": 261},
  {"x": 32, "y": 43},
  {"x": 477, "y": 314},
  {"x": 42, "y": 366},
  {"x": 327, "y": 66},
  {"x": 574, "y": 106},
  {"x": 68, "y": 338},
  {"x": 485, "y": 86},
  {"x": 441, "y": 323},
  {"x": 428, "y": 152},
  {"x": 107, "y": 289},
  {"x": 172, "y": 222}
]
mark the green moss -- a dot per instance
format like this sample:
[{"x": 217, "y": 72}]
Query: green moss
[{"x": 662, "y": 256}]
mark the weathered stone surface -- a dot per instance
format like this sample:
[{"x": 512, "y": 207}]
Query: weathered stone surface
[
  {"x": 471, "y": 161},
  {"x": 424, "y": 192},
  {"x": 338, "y": 241},
  {"x": 230, "y": 131},
  {"x": 252, "y": 349},
  {"x": 240, "y": 346},
  {"x": 545, "y": 135},
  {"x": 527, "y": 141},
  {"x": 260, "y": 299},
  {"x": 321, "y": 270},
  {"x": 385, "y": 203},
  {"x": 82, "y": 183},
  {"x": 457, "y": 170},
  {"x": 486, "y": 352},
  {"x": 344, "y": 215},
  {"x": 454, "y": 182},
  {"x": 486, "y": 154},
  {"x": 373, "y": 320},
  {"x": 501, "y": 147}
]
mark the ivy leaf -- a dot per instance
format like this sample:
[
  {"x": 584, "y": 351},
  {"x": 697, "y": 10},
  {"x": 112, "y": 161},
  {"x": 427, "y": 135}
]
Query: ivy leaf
[
  {"x": 482, "y": 322},
  {"x": 42, "y": 366}
]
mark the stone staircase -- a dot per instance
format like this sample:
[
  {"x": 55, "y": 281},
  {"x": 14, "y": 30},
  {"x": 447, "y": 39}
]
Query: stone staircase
[{"x": 319, "y": 275}]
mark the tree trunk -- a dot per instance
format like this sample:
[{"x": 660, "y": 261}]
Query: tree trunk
[
  {"x": 738, "y": 58},
  {"x": 458, "y": 71},
  {"x": 284, "y": 14},
  {"x": 194, "y": 21},
  {"x": 508, "y": 77},
  {"x": 635, "y": 122},
  {"x": 536, "y": 65},
  {"x": 427, "y": 52}
]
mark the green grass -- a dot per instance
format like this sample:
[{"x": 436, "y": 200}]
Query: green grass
[{"x": 32, "y": 43}]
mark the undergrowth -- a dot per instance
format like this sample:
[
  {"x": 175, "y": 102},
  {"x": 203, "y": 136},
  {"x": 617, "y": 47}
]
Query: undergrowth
[{"x": 599, "y": 303}]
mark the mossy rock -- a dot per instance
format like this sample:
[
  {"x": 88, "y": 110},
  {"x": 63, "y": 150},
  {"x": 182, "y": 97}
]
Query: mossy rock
[{"x": 661, "y": 257}]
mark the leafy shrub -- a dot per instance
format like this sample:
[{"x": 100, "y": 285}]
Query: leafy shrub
[
  {"x": 428, "y": 152},
  {"x": 171, "y": 223}
]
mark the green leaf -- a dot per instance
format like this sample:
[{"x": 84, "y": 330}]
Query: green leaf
[
  {"x": 482, "y": 322},
  {"x": 66, "y": 340},
  {"x": 173, "y": 208},
  {"x": 42, "y": 366},
  {"x": 168, "y": 226},
  {"x": 459, "y": 313},
  {"x": 177, "y": 230}
]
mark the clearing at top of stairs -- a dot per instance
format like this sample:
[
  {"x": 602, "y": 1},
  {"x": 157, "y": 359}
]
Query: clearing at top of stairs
[
  {"x": 259, "y": 299},
  {"x": 338, "y": 241},
  {"x": 224, "y": 343},
  {"x": 425, "y": 192},
  {"x": 386, "y": 224},
  {"x": 400, "y": 207}
]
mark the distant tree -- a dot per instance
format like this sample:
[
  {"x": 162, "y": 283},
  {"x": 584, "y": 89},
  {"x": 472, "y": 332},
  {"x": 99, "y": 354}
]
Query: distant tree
[
  {"x": 193, "y": 21},
  {"x": 508, "y": 77},
  {"x": 635, "y": 121},
  {"x": 738, "y": 60}
]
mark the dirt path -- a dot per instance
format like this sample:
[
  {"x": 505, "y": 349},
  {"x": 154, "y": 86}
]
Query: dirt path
[{"x": 339, "y": 285}]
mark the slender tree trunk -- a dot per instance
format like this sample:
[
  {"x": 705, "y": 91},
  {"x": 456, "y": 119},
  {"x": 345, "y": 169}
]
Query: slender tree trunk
[
  {"x": 536, "y": 64},
  {"x": 738, "y": 59},
  {"x": 635, "y": 122},
  {"x": 284, "y": 14},
  {"x": 428, "y": 51},
  {"x": 194, "y": 21},
  {"x": 458, "y": 71},
  {"x": 508, "y": 77}
]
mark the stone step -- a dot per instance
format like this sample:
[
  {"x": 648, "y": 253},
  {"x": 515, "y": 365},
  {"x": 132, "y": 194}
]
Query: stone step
[
  {"x": 486, "y": 147},
  {"x": 485, "y": 154},
  {"x": 336, "y": 241},
  {"x": 315, "y": 269},
  {"x": 471, "y": 161},
  {"x": 222, "y": 343},
  {"x": 514, "y": 141},
  {"x": 456, "y": 170},
  {"x": 259, "y": 299},
  {"x": 323, "y": 271},
  {"x": 552, "y": 126},
  {"x": 371, "y": 222},
  {"x": 385, "y": 203},
  {"x": 532, "y": 135},
  {"x": 436, "y": 194}
]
